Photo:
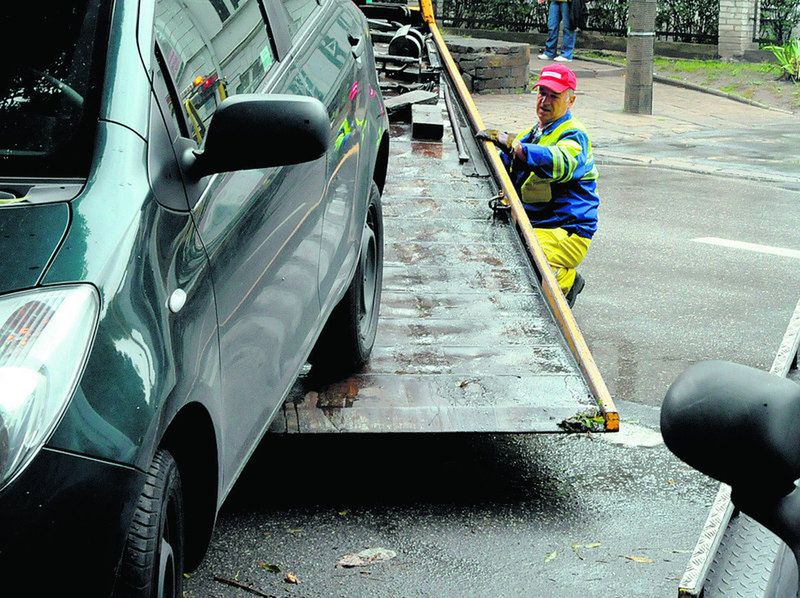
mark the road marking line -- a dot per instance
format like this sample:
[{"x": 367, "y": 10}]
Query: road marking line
[{"x": 781, "y": 251}]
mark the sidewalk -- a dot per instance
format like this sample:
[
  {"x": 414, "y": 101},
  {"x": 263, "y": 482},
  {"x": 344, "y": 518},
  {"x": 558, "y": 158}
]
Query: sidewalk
[{"x": 688, "y": 130}]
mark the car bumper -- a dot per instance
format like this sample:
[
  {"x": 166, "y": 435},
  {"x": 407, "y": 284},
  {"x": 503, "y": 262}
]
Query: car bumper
[{"x": 63, "y": 523}]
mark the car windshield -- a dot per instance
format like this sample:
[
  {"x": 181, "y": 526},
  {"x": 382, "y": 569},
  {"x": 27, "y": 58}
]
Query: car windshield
[{"x": 49, "y": 86}]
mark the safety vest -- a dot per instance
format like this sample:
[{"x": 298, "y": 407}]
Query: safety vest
[{"x": 557, "y": 179}]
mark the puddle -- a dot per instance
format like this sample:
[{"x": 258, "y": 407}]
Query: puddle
[{"x": 634, "y": 435}]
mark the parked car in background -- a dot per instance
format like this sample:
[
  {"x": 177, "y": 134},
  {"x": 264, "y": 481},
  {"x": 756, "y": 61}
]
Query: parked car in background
[{"x": 190, "y": 210}]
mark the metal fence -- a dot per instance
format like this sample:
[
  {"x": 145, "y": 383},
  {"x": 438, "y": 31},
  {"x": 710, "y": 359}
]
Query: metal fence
[
  {"x": 683, "y": 21},
  {"x": 775, "y": 20}
]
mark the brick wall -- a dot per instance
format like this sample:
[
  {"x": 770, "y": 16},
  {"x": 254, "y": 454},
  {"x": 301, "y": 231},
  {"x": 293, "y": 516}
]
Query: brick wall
[
  {"x": 736, "y": 26},
  {"x": 490, "y": 66}
]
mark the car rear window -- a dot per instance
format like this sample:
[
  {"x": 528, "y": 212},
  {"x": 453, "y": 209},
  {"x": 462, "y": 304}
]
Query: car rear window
[{"x": 49, "y": 87}]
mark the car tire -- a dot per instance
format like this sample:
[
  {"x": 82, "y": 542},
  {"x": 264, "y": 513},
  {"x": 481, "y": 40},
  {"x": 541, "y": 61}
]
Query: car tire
[
  {"x": 152, "y": 562},
  {"x": 348, "y": 337}
]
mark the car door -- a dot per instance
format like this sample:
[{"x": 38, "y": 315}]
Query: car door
[
  {"x": 326, "y": 61},
  {"x": 261, "y": 228}
]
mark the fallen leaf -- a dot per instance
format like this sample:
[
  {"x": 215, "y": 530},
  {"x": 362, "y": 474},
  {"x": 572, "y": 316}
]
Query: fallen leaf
[
  {"x": 576, "y": 548},
  {"x": 269, "y": 567},
  {"x": 550, "y": 556},
  {"x": 350, "y": 560},
  {"x": 640, "y": 559},
  {"x": 293, "y": 530},
  {"x": 291, "y": 578},
  {"x": 366, "y": 557}
]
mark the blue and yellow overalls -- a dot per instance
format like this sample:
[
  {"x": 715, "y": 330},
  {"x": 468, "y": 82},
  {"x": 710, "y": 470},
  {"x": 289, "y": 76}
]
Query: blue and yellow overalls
[{"x": 557, "y": 183}]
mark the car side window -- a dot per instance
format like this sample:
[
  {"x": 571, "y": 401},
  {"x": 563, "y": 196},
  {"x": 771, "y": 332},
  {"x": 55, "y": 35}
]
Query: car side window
[
  {"x": 212, "y": 49},
  {"x": 299, "y": 11}
]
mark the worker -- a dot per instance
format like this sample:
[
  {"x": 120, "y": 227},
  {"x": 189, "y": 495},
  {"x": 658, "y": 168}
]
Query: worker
[{"x": 553, "y": 171}]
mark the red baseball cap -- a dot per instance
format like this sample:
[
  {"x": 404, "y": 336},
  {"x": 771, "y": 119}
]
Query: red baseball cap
[{"x": 557, "y": 77}]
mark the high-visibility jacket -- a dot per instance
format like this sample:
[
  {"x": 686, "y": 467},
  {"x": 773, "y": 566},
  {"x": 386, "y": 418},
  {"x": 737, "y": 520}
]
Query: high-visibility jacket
[{"x": 557, "y": 179}]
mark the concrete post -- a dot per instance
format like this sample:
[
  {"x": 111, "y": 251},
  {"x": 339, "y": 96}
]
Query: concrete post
[
  {"x": 641, "y": 41},
  {"x": 438, "y": 10},
  {"x": 736, "y": 28}
]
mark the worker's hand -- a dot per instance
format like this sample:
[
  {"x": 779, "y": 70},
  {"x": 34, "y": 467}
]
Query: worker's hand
[
  {"x": 542, "y": 1},
  {"x": 516, "y": 149},
  {"x": 501, "y": 139}
]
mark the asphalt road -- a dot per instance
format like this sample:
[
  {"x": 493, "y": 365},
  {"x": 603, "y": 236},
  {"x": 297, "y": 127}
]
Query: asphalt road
[
  {"x": 611, "y": 515},
  {"x": 657, "y": 300}
]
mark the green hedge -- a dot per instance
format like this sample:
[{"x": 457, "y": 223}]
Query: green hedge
[
  {"x": 676, "y": 20},
  {"x": 777, "y": 19}
]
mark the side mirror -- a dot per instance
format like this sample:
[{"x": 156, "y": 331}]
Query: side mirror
[
  {"x": 256, "y": 131},
  {"x": 737, "y": 424},
  {"x": 741, "y": 426}
]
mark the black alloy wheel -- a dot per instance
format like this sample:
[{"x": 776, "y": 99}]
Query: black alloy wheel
[{"x": 349, "y": 335}]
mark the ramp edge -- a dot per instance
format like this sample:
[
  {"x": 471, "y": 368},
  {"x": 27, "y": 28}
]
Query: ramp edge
[{"x": 691, "y": 584}]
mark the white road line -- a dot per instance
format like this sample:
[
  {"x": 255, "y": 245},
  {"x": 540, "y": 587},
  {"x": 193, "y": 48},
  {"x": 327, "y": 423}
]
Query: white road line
[{"x": 781, "y": 251}]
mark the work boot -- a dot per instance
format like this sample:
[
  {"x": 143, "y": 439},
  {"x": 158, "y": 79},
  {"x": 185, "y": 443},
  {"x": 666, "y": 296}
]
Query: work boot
[{"x": 576, "y": 289}]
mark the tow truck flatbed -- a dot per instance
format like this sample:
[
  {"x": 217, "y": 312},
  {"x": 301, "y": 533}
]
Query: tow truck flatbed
[{"x": 474, "y": 335}]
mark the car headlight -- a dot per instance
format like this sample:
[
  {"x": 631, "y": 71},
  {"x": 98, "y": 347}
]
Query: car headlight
[{"x": 44, "y": 343}]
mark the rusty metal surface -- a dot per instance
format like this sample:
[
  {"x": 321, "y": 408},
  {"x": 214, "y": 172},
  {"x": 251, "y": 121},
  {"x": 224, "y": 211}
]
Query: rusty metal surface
[{"x": 466, "y": 341}]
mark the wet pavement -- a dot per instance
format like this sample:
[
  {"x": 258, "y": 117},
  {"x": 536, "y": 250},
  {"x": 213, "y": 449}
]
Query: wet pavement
[{"x": 466, "y": 515}]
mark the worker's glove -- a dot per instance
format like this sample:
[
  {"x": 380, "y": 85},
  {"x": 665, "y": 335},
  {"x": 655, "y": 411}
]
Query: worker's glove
[
  {"x": 501, "y": 139},
  {"x": 516, "y": 148}
]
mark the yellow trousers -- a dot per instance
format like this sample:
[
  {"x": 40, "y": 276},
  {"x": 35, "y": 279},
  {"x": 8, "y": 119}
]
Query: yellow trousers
[{"x": 564, "y": 251}]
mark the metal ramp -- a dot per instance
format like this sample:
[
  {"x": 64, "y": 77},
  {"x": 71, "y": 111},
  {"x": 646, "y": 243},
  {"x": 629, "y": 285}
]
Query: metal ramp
[{"x": 471, "y": 337}]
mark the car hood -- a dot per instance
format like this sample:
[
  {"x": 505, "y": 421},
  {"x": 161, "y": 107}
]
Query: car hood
[{"x": 29, "y": 237}]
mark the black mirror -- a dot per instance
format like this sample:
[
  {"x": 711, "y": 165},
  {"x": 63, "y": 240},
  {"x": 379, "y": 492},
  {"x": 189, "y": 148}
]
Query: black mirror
[
  {"x": 737, "y": 424},
  {"x": 256, "y": 131}
]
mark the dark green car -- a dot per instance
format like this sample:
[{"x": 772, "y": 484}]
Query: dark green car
[{"x": 189, "y": 212}]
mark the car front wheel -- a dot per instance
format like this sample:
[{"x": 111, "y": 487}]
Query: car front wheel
[
  {"x": 349, "y": 335},
  {"x": 152, "y": 563}
]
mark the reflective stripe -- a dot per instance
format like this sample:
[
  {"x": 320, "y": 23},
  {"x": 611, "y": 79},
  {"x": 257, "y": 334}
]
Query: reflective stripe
[
  {"x": 573, "y": 147},
  {"x": 558, "y": 162}
]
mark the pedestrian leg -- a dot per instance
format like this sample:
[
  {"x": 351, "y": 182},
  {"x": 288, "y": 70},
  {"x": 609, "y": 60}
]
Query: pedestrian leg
[
  {"x": 553, "y": 21},
  {"x": 568, "y": 34}
]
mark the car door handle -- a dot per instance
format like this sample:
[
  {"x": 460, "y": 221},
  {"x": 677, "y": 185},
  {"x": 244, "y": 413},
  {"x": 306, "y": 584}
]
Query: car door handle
[{"x": 356, "y": 45}]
